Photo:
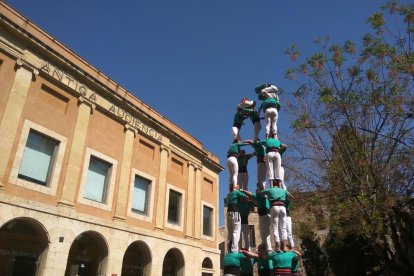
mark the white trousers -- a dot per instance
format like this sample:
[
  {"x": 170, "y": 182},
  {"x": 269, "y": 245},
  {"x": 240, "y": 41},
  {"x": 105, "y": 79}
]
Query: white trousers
[
  {"x": 289, "y": 231},
  {"x": 233, "y": 231},
  {"x": 236, "y": 133},
  {"x": 264, "y": 229},
  {"x": 243, "y": 180},
  {"x": 271, "y": 116},
  {"x": 261, "y": 173},
  {"x": 273, "y": 162},
  {"x": 278, "y": 219},
  {"x": 233, "y": 168},
  {"x": 282, "y": 177}
]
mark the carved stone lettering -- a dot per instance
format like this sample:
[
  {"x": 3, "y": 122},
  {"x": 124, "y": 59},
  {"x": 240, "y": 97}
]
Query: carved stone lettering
[
  {"x": 92, "y": 97},
  {"x": 82, "y": 89},
  {"x": 58, "y": 74}
]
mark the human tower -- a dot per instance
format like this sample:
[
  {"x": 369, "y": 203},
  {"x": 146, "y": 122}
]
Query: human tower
[{"x": 272, "y": 202}]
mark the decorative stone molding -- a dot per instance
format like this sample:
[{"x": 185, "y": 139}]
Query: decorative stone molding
[{"x": 83, "y": 100}]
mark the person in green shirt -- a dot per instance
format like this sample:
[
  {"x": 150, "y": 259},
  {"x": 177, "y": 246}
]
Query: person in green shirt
[
  {"x": 246, "y": 266},
  {"x": 271, "y": 107},
  {"x": 282, "y": 261},
  {"x": 231, "y": 263},
  {"x": 233, "y": 218},
  {"x": 231, "y": 162},
  {"x": 245, "y": 109},
  {"x": 274, "y": 149},
  {"x": 278, "y": 199}
]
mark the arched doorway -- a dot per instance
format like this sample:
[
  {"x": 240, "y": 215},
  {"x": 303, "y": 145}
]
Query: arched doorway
[
  {"x": 23, "y": 242},
  {"x": 173, "y": 264},
  {"x": 87, "y": 255},
  {"x": 137, "y": 260}
]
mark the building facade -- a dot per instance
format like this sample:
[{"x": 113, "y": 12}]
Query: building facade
[{"x": 92, "y": 180}]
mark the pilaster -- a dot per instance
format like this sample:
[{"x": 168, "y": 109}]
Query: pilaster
[
  {"x": 197, "y": 207},
  {"x": 162, "y": 182},
  {"x": 124, "y": 180},
  {"x": 12, "y": 114},
  {"x": 73, "y": 170},
  {"x": 190, "y": 200}
]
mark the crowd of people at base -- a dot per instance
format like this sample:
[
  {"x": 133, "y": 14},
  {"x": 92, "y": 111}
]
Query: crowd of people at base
[{"x": 272, "y": 203}]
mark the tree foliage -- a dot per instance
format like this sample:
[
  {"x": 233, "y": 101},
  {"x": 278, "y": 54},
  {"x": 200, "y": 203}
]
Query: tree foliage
[{"x": 354, "y": 130}]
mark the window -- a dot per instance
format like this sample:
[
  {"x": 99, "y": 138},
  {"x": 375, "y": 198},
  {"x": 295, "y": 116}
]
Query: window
[
  {"x": 140, "y": 196},
  {"x": 38, "y": 160},
  {"x": 97, "y": 180},
  {"x": 38, "y": 156},
  {"x": 207, "y": 221},
  {"x": 174, "y": 207}
]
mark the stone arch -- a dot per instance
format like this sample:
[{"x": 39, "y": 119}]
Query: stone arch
[
  {"x": 173, "y": 264},
  {"x": 207, "y": 267},
  {"x": 88, "y": 255},
  {"x": 24, "y": 243},
  {"x": 207, "y": 263},
  {"x": 137, "y": 259}
]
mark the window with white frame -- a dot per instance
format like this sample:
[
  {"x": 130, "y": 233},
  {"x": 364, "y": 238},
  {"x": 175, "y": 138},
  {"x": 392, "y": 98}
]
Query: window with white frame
[
  {"x": 207, "y": 221},
  {"x": 37, "y": 162},
  {"x": 97, "y": 180},
  {"x": 174, "y": 207},
  {"x": 141, "y": 195}
]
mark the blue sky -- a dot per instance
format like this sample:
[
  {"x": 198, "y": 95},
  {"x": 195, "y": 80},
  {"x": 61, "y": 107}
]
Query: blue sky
[{"x": 193, "y": 61}]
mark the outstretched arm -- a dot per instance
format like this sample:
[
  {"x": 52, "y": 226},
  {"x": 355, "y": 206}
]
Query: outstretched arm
[
  {"x": 250, "y": 254},
  {"x": 250, "y": 194}
]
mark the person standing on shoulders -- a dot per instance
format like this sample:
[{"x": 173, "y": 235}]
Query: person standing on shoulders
[
  {"x": 233, "y": 218},
  {"x": 278, "y": 199}
]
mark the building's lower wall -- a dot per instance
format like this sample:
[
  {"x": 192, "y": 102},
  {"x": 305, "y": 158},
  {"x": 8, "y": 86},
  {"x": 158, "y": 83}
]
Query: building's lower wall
[{"x": 63, "y": 226}]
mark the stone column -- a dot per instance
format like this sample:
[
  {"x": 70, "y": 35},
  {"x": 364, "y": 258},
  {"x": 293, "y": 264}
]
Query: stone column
[
  {"x": 12, "y": 115},
  {"x": 190, "y": 200},
  {"x": 197, "y": 207},
  {"x": 124, "y": 179},
  {"x": 162, "y": 183},
  {"x": 73, "y": 168}
]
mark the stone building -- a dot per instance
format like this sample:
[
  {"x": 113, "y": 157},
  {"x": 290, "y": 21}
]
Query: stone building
[{"x": 92, "y": 180}]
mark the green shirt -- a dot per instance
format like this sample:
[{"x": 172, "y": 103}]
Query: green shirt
[
  {"x": 276, "y": 194},
  {"x": 242, "y": 115},
  {"x": 273, "y": 143},
  {"x": 260, "y": 148},
  {"x": 246, "y": 265},
  {"x": 295, "y": 265},
  {"x": 264, "y": 264},
  {"x": 282, "y": 259},
  {"x": 233, "y": 259},
  {"x": 261, "y": 200},
  {"x": 234, "y": 197},
  {"x": 235, "y": 147},
  {"x": 270, "y": 101}
]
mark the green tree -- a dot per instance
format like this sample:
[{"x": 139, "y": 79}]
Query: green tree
[{"x": 354, "y": 135}]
